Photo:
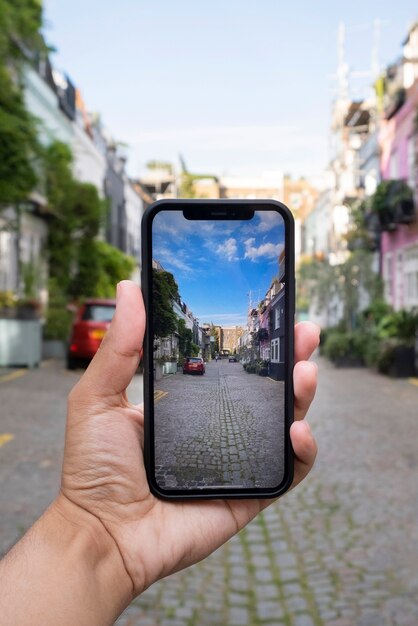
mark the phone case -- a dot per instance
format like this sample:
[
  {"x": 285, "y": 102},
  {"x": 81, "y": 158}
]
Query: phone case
[{"x": 220, "y": 206}]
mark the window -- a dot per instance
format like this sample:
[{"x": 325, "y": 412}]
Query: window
[
  {"x": 99, "y": 312},
  {"x": 393, "y": 165},
  {"x": 275, "y": 351},
  {"x": 387, "y": 277},
  {"x": 411, "y": 277},
  {"x": 277, "y": 318}
]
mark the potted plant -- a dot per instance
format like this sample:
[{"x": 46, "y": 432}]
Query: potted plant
[
  {"x": 381, "y": 205},
  {"x": 262, "y": 368},
  {"x": 397, "y": 331},
  {"x": 402, "y": 199},
  {"x": 393, "y": 203}
]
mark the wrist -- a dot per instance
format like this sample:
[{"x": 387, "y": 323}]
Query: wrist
[
  {"x": 66, "y": 570},
  {"x": 93, "y": 552}
]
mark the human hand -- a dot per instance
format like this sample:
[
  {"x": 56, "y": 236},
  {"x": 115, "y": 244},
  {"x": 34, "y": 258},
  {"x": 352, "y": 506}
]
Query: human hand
[{"x": 103, "y": 471}]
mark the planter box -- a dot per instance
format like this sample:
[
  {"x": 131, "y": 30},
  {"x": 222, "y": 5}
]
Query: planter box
[
  {"x": 403, "y": 365},
  {"x": 20, "y": 342},
  {"x": 169, "y": 367},
  {"x": 405, "y": 211}
]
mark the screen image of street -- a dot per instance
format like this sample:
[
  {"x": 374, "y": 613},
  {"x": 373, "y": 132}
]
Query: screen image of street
[{"x": 219, "y": 332}]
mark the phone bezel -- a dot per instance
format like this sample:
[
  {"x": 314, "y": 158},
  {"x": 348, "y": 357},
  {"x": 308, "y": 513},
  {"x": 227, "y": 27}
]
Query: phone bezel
[{"x": 146, "y": 228}]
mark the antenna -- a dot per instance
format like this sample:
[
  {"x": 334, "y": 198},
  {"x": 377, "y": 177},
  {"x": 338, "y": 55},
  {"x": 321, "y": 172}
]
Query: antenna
[{"x": 342, "y": 69}]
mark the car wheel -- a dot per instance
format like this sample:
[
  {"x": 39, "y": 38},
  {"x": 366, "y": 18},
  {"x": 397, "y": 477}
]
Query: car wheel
[{"x": 71, "y": 363}]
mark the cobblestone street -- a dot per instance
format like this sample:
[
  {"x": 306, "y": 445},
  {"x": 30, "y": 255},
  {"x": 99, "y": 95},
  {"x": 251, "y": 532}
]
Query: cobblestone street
[
  {"x": 341, "y": 550},
  {"x": 207, "y": 428}
]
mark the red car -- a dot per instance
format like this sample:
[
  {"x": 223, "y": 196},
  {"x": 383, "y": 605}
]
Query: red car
[
  {"x": 89, "y": 327},
  {"x": 193, "y": 365}
]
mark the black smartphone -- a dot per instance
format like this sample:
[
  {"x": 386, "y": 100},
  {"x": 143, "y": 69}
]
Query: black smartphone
[{"x": 218, "y": 284}]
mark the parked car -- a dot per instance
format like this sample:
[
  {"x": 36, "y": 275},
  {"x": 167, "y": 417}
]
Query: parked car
[
  {"x": 90, "y": 324},
  {"x": 232, "y": 359},
  {"x": 193, "y": 365}
]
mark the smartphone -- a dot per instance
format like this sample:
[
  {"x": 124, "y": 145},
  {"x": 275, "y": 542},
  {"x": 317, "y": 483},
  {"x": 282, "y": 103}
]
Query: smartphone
[{"x": 218, "y": 284}]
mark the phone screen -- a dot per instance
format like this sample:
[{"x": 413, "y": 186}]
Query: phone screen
[{"x": 219, "y": 351}]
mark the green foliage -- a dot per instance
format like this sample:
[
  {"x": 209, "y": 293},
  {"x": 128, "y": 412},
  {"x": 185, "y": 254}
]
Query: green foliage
[
  {"x": 100, "y": 267},
  {"x": 160, "y": 165},
  {"x": 388, "y": 194},
  {"x": 7, "y": 299},
  {"x": 185, "y": 339},
  {"x": 401, "y": 325},
  {"x": 80, "y": 264},
  {"x": 20, "y": 23},
  {"x": 187, "y": 188},
  {"x": 344, "y": 344},
  {"x": 164, "y": 292},
  {"x": 380, "y": 331},
  {"x": 214, "y": 345},
  {"x": 324, "y": 282},
  {"x": 58, "y": 317}
]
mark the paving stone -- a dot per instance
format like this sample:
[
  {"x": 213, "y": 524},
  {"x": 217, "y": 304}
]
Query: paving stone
[
  {"x": 347, "y": 535},
  {"x": 269, "y": 610},
  {"x": 302, "y": 620}
]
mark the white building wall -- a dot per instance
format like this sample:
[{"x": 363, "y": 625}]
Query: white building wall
[
  {"x": 42, "y": 102},
  {"x": 89, "y": 163}
]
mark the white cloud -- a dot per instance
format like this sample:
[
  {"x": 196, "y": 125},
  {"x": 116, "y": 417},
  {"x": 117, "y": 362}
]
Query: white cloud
[
  {"x": 268, "y": 221},
  {"x": 228, "y": 249},
  {"x": 266, "y": 250},
  {"x": 170, "y": 260}
]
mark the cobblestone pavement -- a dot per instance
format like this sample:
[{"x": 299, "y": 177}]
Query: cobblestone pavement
[
  {"x": 340, "y": 550},
  {"x": 208, "y": 427}
]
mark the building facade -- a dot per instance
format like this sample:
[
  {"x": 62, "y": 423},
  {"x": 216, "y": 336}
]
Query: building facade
[{"x": 399, "y": 249}]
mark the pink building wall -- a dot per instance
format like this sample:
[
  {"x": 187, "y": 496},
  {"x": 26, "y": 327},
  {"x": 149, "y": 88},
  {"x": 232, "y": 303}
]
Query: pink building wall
[{"x": 394, "y": 138}]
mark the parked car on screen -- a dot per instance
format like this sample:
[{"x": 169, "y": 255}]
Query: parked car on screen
[
  {"x": 232, "y": 359},
  {"x": 90, "y": 324},
  {"x": 193, "y": 365}
]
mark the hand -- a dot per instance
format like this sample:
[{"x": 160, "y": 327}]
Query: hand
[{"x": 103, "y": 469}]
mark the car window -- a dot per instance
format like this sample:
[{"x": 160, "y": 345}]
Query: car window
[
  {"x": 196, "y": 360},
  {"x": 99, "y": 312}
]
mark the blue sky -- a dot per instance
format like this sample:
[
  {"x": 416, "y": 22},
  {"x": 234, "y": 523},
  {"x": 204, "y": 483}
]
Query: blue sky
[
  {"x": 235, "y": 86},
  {"x": 219, "y": 266}
]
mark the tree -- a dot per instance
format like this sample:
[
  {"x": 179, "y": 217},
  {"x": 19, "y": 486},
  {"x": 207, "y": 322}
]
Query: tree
[
  {"x": 324, "y": 283},
  {"x": 185, "y": 339},
  {"x": 80, "y": 265},
  {"x": 20, "y": 38},
  {"x": 164, "y": 293},
  {"x": 214, "y": 345}
]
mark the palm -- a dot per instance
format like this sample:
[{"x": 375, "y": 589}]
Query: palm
[
  {"x": 103, "y": 471},
  {"x": 104, "y": 474}
]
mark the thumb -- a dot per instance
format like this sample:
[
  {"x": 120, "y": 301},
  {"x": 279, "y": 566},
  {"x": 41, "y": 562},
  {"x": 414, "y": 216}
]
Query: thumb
[{"x": 117, "y": 358}]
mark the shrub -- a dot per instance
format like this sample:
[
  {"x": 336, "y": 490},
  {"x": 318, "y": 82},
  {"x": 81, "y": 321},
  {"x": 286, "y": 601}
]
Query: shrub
[{"x": 341, "y": 344}]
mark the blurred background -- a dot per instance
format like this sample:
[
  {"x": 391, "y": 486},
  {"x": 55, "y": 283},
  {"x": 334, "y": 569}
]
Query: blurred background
[{"x": 106, "y": 107}]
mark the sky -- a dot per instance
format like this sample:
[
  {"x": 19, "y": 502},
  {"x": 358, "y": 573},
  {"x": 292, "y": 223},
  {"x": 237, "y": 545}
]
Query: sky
[
  {"x": 234, "y": 86},
  {"x": 221, "y": 267}
]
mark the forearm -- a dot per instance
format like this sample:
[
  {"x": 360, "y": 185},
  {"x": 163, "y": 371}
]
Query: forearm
[{"x": 66, "y": 570}]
